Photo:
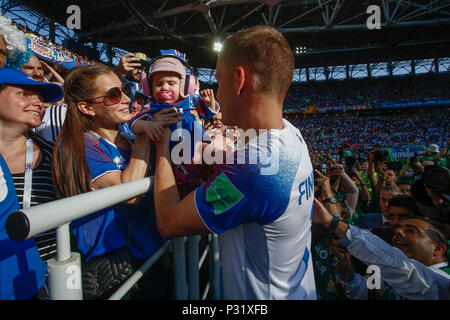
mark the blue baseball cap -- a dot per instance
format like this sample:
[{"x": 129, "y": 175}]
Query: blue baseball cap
[{"x": 51, "y": 92}]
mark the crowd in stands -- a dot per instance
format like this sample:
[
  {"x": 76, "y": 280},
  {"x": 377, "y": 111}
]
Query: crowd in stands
[
  {"x": 357, "y": 180},
  {"x": 397, "y": 130},
  {"x": 80, "y": 56},
  {"x": 351, "y": 92},
  {"x": 393, "y": 201}
]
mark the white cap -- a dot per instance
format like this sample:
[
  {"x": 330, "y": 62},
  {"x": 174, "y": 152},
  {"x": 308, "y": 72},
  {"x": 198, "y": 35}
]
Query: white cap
[{"x": 433, "y": 148}]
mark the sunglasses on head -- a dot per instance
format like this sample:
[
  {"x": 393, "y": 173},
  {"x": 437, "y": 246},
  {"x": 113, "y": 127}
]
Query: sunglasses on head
[{"x": 113, "y": 95}]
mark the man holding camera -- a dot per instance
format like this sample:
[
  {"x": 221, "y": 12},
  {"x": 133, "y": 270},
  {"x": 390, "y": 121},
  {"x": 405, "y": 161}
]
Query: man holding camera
[
  {"x": 130, "y": 67},
  {"x": 324, "y": 262},
  {"x": 412, "y": 169}
]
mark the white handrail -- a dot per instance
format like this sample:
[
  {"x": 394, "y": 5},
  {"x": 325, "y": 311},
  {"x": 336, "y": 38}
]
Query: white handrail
[{"x": 29, "y": 222}]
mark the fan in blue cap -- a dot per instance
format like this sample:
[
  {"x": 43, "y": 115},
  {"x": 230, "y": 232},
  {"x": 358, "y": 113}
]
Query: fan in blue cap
[{"x": 51, "y": 92}]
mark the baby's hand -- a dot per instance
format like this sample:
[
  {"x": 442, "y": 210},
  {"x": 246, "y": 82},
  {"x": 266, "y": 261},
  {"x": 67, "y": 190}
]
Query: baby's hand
[
  {"x": 208, "y": 98},
  {"x": 154, "y": 130}
]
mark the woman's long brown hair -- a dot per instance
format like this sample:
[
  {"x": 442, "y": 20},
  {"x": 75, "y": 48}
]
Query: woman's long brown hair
[{"x": 71, "y": 175}]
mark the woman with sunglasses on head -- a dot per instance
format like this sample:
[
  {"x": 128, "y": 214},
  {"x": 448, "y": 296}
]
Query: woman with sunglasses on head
[
  {"x": 25, "y": 180},
  {"x": 97, "y": 106}
]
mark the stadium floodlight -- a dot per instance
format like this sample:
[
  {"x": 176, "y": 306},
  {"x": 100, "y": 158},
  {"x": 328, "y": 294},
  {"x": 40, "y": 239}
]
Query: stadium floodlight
[
  {"x": 300, "y": 50},
  {"x": 218, "y": 46}
]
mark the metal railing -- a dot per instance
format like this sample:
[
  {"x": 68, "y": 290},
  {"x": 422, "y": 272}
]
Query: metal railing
[{"x": 64, "y": 272}]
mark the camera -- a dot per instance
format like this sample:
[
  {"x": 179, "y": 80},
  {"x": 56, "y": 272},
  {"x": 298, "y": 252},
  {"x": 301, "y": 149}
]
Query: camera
[
  {"x": 145, "y": 65},
  {"x": 333, "y": 171},
  {"x": 320, "y": 167},
  {"x": 396, "y": 166}
]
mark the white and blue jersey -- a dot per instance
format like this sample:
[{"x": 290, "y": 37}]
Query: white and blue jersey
[
  {"x": 263, "y": 214},
  {"x": 22, "y": 272}
]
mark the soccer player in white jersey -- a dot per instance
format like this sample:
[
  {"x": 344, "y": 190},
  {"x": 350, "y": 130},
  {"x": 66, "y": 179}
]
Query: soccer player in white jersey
[{"x": 261, "y": 210}]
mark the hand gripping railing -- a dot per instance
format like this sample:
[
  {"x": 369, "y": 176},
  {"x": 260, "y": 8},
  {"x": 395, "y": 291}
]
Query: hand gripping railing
[{"x": 64, "y": 272}]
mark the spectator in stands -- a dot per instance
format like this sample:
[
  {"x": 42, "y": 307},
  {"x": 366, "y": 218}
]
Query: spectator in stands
[
  {"x": 324, "y": 261},
  {"x": 34, "y": 68},
  {"x": 96, "y": 108},
  {"x": 54, "y": 114},
  {"x": 399, "y": 130},
  {"x": 402, "y": 207},
  {"x": 223, "y": 138},
  {"x": 415, "y": 268},
  {"x": 12, "y": 41},
  {"x": 432, "y": 193},
  {"x": 432, "y": 154},
  {"x": 363, "y": 188},
  {"x": 343, "y": 185},
  {"x": 28, "y": 157},
  {"x": 386, "y": 193},
  {"x": 217, "y": 121},
  {"x": 129, "y": 68},
  {"x": 404, "y": 185},
  {"x": 260, "y": 221},
  {"x": 412, "y": 170}
]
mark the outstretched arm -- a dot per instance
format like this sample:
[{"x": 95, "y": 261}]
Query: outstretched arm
[
  {"x": 209, "y": 100},
  {"x": 410, "y": 278}
]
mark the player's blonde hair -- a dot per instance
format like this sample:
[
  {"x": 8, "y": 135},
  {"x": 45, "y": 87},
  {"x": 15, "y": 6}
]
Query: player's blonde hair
[{"x": 267, "y": 54}]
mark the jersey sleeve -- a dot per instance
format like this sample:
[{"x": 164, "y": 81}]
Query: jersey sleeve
[
  {"x": 238, "y": 194},
  {"x": 98, "y": 161}
]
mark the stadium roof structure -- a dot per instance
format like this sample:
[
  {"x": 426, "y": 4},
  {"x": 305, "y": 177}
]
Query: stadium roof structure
[{"x": 322, "y": 32}]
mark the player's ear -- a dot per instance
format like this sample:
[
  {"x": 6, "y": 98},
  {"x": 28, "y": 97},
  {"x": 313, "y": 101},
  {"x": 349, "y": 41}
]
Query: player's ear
[{"x": 240, "y": 79}]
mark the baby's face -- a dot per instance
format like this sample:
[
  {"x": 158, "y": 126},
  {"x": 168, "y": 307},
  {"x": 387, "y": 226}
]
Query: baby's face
[{"x": 166, "y": 87}]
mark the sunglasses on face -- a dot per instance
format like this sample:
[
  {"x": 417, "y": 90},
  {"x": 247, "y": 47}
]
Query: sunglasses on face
[{"x": 113, "y": 95}]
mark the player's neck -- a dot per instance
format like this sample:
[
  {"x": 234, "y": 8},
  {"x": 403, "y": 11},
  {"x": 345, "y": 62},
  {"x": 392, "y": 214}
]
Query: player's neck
[{"x": 263, "y": 115}]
